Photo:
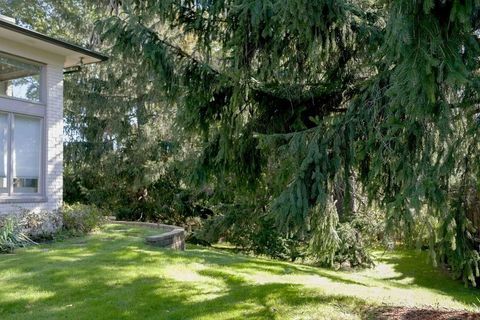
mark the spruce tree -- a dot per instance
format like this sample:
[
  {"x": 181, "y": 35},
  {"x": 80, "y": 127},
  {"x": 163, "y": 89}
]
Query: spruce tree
[
  {"x": 116, "y": 155},
  {"x": 305, "y": 96},
  {"x": 296, "y": 109}
]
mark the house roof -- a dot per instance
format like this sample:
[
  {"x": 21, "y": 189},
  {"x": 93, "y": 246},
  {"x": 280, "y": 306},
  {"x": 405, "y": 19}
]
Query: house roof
[{"x": 74, "y": 54}]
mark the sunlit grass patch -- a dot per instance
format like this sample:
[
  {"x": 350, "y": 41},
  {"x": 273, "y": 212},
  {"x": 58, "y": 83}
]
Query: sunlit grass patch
[{"x": 113, "y": 274}]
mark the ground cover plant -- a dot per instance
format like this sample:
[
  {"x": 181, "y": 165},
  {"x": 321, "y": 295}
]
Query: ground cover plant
[
  {"x": 12, "y": 236},
  {"x": 113, "y": 274}
]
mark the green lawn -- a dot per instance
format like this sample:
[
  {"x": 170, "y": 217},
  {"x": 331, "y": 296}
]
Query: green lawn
[{"x": 112, "y": 274}]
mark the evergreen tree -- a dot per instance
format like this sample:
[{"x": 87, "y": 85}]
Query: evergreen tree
[
  {"x": 116, "y": 154},
  {"x": 311, "y": 95},
  {"x": 301, "y": 115}
]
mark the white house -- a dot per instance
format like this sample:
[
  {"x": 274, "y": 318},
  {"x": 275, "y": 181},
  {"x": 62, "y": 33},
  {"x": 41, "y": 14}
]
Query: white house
[{"x": 31, "y": 116}]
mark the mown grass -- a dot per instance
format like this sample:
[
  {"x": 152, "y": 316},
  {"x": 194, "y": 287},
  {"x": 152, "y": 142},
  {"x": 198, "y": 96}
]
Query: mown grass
[{"x": 112, "y": 274}]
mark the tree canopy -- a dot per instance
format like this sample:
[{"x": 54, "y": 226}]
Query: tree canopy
[
  {"x": 301, "y": 97},
  {"x": 301, "y": 116}
]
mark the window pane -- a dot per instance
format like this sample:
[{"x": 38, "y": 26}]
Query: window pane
[
  {"x": 27, "y": 141},
  {"x": 19, "y": 78},
  {"x": 3, "y": 152}
]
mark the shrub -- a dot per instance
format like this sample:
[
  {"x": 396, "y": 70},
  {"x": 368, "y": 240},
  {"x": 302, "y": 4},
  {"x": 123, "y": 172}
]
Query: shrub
[
  {"x": 351, "y": 251},
  {"x": 12, "y": 236},
  {"x": 39, "y": 225},
  {"x": 243, "y": 227},
  {"x": 80, "y": 218}
]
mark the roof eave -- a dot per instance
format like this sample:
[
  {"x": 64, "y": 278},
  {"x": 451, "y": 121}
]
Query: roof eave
[{"x": 40, "y": 36}]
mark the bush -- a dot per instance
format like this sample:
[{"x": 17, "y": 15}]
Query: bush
[
  {"x": 18, "y": 229},
  {"x": 80, "y": 218},
  {"x": 351, "y": 251},
  {"x": 245, "y": 228},
  {"x": 12, "y": 236},
  {"x": 39, "y": 225}
]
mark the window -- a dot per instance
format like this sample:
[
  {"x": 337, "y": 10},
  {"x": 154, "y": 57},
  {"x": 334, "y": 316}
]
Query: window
[
  {"x": 27, "y": 140},
  {"x": 3, "y": 152},
  {"x": 22, "y": 114},
  {"x": 20, "y": 154},
  {"x": 20, "y": 78}
]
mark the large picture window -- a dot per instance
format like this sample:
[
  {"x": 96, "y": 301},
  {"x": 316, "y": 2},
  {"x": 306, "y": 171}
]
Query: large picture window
[
  {"x": 20, "y": 154},
  {"x": 20, "y": 78},
  {"x": 22, "y": 110}
]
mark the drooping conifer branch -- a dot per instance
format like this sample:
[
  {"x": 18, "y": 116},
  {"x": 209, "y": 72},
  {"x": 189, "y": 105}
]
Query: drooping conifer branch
[{"x": 304, "y": 95}]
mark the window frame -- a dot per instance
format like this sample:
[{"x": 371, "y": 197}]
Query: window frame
[
  {"x": 42, "y": 76},
  {"x": 13, "y": 160},
  {"x": 12, "y": 106}
]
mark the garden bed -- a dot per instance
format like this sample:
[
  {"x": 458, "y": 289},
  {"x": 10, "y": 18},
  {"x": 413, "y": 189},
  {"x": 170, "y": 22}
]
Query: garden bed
[{"x": 403, "y": 313}]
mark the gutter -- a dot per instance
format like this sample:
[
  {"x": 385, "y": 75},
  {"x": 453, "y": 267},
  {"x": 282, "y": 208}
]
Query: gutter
[
  {"x": 71, "y": 70},
  {"x": 40, "y": 36}
]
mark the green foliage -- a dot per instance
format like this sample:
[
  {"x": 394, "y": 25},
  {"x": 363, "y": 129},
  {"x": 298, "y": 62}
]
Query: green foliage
[
  {"x": 289, "y": 112},
  {"x": 119, "y": 141},
  {"x": 350, "y": 250},
  {"x": 80, "y": 218},
  {"x": 268, "y": 241},
  {"x": 39, "y": 225},
  {"x": 249, "y": 233},
  {"x": 308, "y": 95},
  {"x": 11, "y": 236},
  {"x": 456, "y": 242}
]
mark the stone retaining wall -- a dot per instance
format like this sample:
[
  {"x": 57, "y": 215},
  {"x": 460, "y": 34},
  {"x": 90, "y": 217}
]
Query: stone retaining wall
[{"x": 173, "y": 237}]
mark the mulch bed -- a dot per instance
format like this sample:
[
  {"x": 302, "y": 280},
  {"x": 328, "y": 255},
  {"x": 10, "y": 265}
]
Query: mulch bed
[{"x": 403, "y": 313}]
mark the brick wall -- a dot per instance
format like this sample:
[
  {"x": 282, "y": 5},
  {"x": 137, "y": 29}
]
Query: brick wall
[{"x": 53, "y": 144}]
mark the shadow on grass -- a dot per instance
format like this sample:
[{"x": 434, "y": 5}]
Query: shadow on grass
[
  {"x": 419, "y": 270},
  {"x": 89, "y": 287},
  {"x": 116, "y": 276}
]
